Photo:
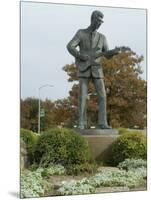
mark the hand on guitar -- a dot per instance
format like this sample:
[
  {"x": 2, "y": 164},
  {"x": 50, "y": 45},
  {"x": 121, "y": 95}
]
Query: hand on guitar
[
  {"x": 109, "y": 54},
  {"x": 83, "y": 57}
]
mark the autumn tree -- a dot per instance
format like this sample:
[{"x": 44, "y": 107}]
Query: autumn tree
[
  {"x": 29, "y": 114},
  {"x": 47, "y": 121},
  {"x": 65, "y": 112},
  {"x": 126, "y": 91},
  {"x": 56, "y": 113}
]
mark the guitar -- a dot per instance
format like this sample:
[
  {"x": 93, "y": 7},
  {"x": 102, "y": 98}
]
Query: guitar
[{"x": 93, "y": 55}]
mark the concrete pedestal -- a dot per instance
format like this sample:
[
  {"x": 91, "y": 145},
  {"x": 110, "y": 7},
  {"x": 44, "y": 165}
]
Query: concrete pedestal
[
  {"x": 98, "y": 131},
  {"x": 100, "y": 141}
]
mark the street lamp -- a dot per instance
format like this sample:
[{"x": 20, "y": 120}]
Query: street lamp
[{"x": 47, "y": 85}]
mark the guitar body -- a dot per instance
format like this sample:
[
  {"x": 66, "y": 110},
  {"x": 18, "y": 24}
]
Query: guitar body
[
  {"x": 91, "y": 61},
  {"x": 84, "y": 65}
]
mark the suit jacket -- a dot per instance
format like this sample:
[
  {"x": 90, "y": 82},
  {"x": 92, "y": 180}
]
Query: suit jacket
[{"x": 86, "y": 42}]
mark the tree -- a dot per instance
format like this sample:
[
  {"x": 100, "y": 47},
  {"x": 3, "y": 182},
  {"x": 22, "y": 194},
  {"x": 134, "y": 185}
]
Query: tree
[
  {"x": 64, "y": 112},
  {"x": 57, "y": 113},
  {"x": 47, "y": 121},
  {"x": 126, "y": 90},
  {"x": 29, "y": 114}
]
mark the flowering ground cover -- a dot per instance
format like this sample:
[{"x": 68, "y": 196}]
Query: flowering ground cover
[{"x": 53, "y": 180}]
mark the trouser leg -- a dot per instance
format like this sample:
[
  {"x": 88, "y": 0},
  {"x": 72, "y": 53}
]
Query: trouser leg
[
  {"x": 100, "y": 89},
  {"x": 83, "y": 90}
]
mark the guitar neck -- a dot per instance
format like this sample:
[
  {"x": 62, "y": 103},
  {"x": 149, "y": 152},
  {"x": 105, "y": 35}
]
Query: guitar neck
[{"x": 107, "y": 54}]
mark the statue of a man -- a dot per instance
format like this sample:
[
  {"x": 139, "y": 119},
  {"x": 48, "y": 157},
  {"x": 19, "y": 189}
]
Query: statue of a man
[{"x": 86, "y": 46}]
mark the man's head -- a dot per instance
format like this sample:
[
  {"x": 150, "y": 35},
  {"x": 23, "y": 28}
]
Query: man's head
[{"x": 96, "y": 19}]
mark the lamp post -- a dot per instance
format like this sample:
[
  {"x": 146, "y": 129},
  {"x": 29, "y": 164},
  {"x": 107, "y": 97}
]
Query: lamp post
[{"x": 47, "y": 85}]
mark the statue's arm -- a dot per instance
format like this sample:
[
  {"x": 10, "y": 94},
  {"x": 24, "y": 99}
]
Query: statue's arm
[
  {"x": 73, "y": 44},
  {"x": 109, "y": 53},
  {"x": 105, "y": 47},
  {"x": 72, "y": 47}
]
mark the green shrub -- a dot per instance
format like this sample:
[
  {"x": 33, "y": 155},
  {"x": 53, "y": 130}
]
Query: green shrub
[
  {"x": 122, "y": 131},
  {"x": 81, "y": 168},
  {"x": 61, "y": 146},
  {"x": 30, "y": 139},
  {"x": 52, "y": 170},
  {"x": 23, "y": 155},
  {"x": 129, "y": 145}
]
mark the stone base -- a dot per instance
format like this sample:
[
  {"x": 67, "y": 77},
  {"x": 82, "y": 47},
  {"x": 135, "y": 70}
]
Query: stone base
[
  {"x": 97, "y": 131},
  {"x": 99, "y": 141}
]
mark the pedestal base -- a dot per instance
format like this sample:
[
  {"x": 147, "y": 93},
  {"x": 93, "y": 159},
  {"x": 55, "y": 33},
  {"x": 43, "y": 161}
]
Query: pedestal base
[
  {"x": 98, "y": 131},
  {"x": 99, "y": 141}
]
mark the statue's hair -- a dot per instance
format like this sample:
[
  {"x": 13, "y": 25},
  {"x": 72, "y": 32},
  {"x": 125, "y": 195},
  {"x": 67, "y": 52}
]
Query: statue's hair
[{"x": 96, "y": 14}]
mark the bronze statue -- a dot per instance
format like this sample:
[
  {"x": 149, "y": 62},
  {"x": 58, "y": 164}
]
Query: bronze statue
[{"x": 87, "y": 46}]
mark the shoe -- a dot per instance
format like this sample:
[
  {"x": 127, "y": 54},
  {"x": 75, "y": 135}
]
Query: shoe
[{"x": 104, "y": 127}]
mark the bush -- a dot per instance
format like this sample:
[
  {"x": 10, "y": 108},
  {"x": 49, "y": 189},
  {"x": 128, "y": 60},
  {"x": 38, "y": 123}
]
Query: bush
[
  {"x": 52, "y": 170},
  {"x": 122, "y": 131},
  {"x": 81, "y": 168},
  {"x": 129, "y": 145},
  {"x": 30, "y": 139},
  {"x": 23, "y": 155},
  {"x": 61, "y": 146}
]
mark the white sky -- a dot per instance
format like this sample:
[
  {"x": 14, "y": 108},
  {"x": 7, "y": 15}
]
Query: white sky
[{"x": 47, "y": 28}]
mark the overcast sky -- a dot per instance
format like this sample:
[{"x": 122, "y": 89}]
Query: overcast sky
[{"x": 47, "y": 28}]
